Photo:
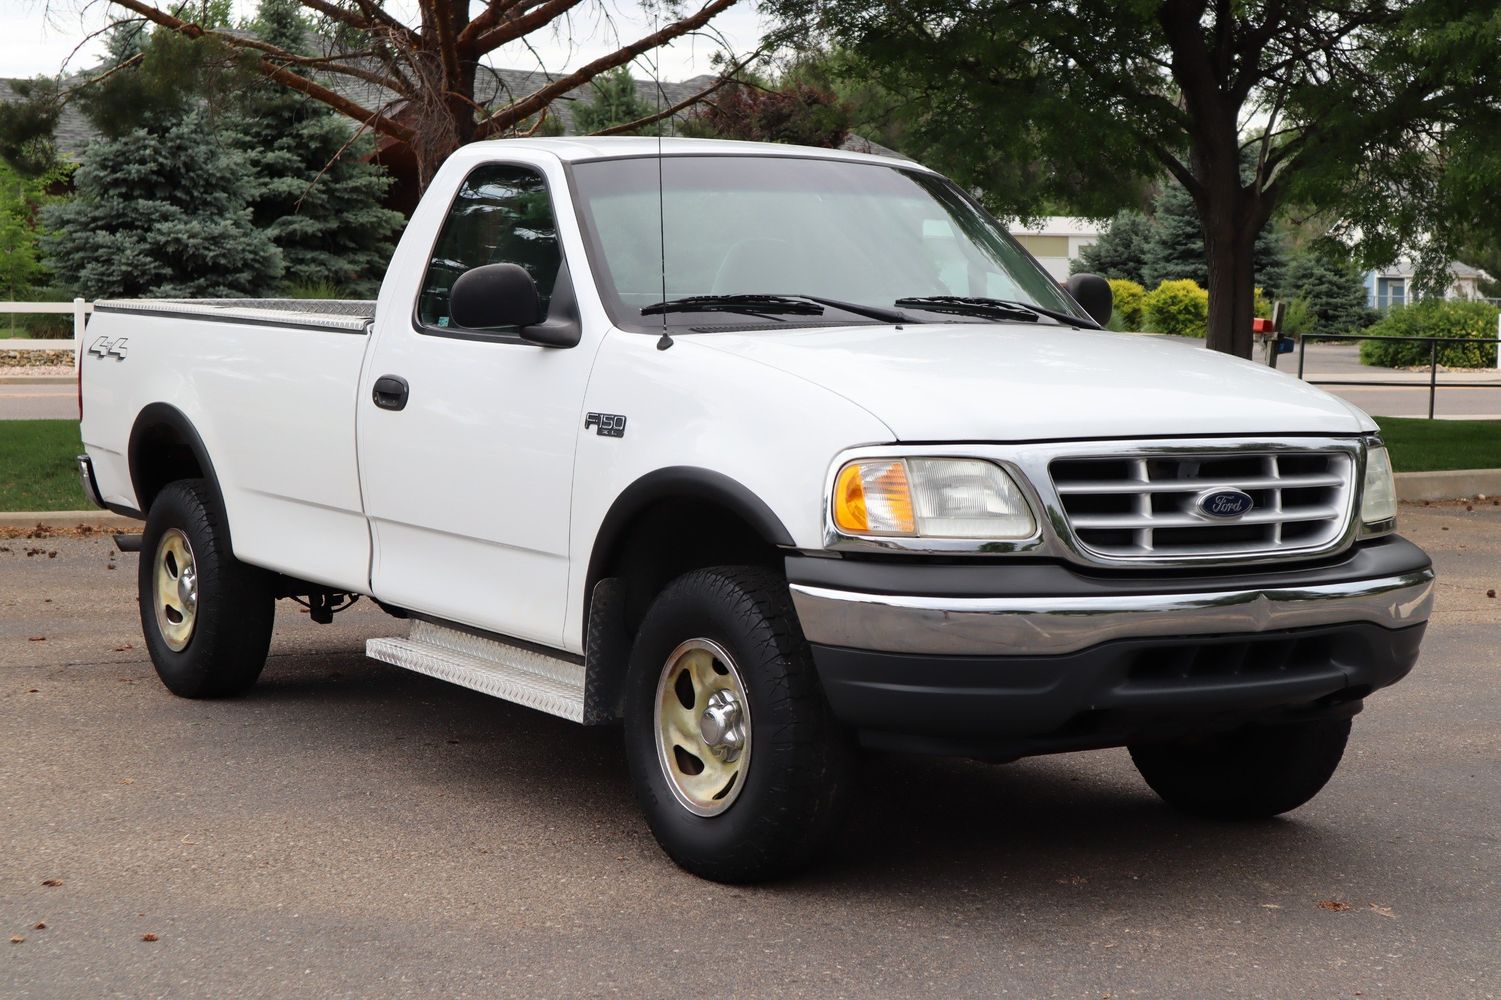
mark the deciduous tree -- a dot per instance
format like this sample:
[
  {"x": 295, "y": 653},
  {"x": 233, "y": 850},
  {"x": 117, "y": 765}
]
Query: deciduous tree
[
  {"x": 1358, "y": 105},
  {"x": 421, "y": 77}
]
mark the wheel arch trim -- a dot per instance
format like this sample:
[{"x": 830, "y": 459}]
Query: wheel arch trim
[
  {"x": 673, "y": 483},
  {"x": 165, "y": 415}
]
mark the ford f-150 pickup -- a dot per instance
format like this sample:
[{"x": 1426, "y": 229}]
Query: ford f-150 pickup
[{"x": 775, "y": 456}]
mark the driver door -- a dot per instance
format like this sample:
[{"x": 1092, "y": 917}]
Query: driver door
[{"x": 467, "y": 482}]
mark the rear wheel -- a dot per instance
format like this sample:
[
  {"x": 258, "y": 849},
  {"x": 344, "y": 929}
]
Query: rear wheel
[
  {"x": 1252, "y": 773},
  {"x": 206, "y": 616},
  {"x": 736, "y": 760}
]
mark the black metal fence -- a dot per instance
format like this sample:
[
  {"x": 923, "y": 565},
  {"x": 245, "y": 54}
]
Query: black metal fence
[{"x": 1433, "y": 383}]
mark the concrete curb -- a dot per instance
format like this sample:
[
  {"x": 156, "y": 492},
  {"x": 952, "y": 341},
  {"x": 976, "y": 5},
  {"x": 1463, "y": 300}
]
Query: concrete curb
[
  {"x": 102, "y": 519},
  {"x": 1454, "y": 484}
]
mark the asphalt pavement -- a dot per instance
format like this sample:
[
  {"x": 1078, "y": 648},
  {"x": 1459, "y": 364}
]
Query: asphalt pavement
[
  {"x": 31, "y": 401},
  {"x": 352, "y": 830}
]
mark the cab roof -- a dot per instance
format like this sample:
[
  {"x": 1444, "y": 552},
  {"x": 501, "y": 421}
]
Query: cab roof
[{"x": 608, "y": 147}]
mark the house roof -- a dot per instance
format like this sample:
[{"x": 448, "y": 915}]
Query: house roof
[
  {"x": 1404, "y": 267},
  {"x": 1062, "y": 225},
  {"x": 74, "y": 132}
]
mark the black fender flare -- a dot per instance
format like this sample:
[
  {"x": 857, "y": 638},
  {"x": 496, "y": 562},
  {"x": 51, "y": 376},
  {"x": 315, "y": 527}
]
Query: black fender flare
[
  {"x": 165, "y": 415},
  {"x": 680, "y": 482}
]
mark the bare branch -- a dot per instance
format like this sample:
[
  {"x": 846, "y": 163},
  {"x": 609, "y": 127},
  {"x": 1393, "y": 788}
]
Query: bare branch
[
  {"x": 379, "y": 121},
  {"x": 656, "y": 116},
  {"x": 539, "y": 99},
  {"x": 516, "y": 27}
]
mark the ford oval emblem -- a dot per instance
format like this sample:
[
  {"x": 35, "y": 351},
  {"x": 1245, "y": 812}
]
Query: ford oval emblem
[{"x": 1225, "y": 502}]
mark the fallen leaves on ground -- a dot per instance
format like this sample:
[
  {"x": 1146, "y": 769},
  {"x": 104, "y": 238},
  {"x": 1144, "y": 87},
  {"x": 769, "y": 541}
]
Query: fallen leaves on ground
[
  {"x": 36, "y": 638},
  {"x": 1333, "y": 905},
  {"x": 16, "y": 939},
  {"x": 52, "y": 883},
  {"x": 46, "y": 531},
  {"x": 1385, "y": 911},
  {"x": 121, "y": 649},
  {"x": 148, "y": 936}
]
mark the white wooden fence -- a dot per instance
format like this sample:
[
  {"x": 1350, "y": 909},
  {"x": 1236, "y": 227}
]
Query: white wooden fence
[{"x": 78, "y": 308}]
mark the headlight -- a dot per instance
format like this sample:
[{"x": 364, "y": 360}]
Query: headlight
[
  {"x": 1378, "y": 495},
  {"x": 930, "y": 498}
]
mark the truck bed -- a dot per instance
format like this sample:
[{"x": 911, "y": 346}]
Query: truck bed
[{"x": 348, "y": 315}]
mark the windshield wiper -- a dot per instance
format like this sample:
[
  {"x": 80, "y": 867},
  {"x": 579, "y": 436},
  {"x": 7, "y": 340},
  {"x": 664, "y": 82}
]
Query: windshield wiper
[
  {"x": 964, "y": 305},
  {"x": 791, "y": 305}
]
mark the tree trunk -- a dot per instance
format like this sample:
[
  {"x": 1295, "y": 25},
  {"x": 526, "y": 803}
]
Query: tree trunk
[{"x": 1232, "y": 290}]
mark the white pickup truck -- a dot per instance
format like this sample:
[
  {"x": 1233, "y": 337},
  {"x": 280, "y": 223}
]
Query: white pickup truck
[{"x": 776, "y": 455}]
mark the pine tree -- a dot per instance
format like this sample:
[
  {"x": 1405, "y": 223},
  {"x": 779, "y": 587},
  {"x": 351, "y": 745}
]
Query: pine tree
[
  {"x": 311, "y": 189},
  {"x": 160, "y": 212},
  {"x": 160, "y": 206},
  {"x": 1175, "y": 248},
  {"x": 615, "y": 102},
  {"x": 1334, "y": 292},
  {"x": 1121, "y": 250}
]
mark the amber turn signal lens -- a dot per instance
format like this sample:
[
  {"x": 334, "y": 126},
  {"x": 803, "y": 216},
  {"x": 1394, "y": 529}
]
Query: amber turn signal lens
[{"x": 874, "y": 498}]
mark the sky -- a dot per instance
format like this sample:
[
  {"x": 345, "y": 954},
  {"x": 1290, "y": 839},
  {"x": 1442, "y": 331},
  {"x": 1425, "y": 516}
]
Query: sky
[{"x": 37, "y": 36}]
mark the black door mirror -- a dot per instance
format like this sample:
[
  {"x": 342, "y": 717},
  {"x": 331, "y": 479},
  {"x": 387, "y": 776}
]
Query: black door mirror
[
  {"x": 1089, "y": 290},
  {"x": 494, "y": 295}
]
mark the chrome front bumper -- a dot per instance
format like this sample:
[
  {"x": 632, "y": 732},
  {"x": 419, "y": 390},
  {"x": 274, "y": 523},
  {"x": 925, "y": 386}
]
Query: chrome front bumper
[{"x": 1040, "y": 626}]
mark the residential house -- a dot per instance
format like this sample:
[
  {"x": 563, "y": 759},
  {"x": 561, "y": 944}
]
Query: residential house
[
  {"x": 1056, "y": 240},
  {"x": 1395, "y": 285}
]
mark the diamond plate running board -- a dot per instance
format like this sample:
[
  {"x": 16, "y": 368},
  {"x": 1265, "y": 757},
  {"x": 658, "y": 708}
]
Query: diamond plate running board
[{"x": 529, "y": 678}]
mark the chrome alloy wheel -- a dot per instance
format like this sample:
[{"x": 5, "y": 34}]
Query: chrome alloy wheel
[
  {"x": 175, "y": 595},
  {"x": 703, "y": 727}
]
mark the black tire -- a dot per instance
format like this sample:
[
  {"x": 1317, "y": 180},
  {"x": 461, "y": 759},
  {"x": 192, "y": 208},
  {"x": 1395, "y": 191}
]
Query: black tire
[
  {"x": 1252, "y": 773},
  {"x": 231, "y": 623},
  {"x": 798, "y": 767}
]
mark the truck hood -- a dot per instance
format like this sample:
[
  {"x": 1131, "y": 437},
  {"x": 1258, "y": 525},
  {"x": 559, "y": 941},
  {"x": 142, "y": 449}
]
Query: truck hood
[{"x": 1014, "y": 382}]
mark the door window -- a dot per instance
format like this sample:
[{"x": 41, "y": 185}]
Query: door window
[{"x": 501, "y": 215}]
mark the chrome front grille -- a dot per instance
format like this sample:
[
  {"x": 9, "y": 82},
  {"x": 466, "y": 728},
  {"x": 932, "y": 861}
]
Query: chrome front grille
[{"x": 1143, "y": 505}]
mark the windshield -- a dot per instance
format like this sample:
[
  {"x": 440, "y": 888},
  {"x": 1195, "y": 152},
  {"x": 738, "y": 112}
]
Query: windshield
[{"x": 865, "y": 234}]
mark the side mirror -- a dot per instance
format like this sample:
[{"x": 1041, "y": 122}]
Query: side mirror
[
  {"x": 1092, "y": 292},
  {"x": 494, "y": 295}
]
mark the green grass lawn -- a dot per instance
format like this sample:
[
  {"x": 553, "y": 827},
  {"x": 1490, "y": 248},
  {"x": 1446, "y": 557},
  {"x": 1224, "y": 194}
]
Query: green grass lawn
[
  {"x": 1429, "y": 445},
  {"x": 36, "y": 465}
]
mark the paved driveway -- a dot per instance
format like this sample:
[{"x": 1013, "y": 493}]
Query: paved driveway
[{"x": 350, "y": 830}]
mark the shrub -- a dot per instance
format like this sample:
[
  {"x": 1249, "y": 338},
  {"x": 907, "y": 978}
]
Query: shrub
[
  {"x": 1180, "y": 308},
  {"x": 1299, "y": 320},
  {"x": 1434, "y": 318},
  {"x": 1129, "y": 299}
]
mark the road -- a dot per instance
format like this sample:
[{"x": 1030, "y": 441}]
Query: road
[
  {"x": 38, "y": 402},
  {"x": 350, "y": 830}
]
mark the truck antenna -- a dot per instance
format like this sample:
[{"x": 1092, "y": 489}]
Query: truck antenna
[{"x": 656, "y": 78}]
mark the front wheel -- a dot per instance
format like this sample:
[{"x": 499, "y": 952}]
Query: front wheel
[
  {"x": 206, "y": 616},
  {"x": 735, "y": 757},
  {"x": 1252, "y": 773}
]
